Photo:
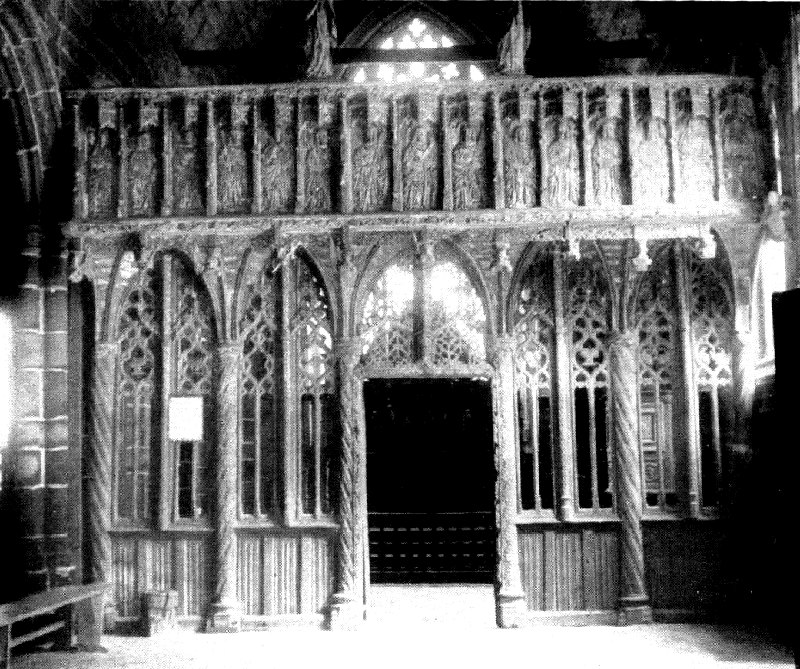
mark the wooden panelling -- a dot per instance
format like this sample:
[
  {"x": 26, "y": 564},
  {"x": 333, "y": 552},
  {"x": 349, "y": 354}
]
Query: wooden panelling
[
  {"x": 571, "y": 569},
  {"x": 277, "y": 574},
  {"x": 682, "y": 561}
]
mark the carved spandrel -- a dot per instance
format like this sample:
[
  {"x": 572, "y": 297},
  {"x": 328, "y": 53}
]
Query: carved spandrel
[
  {"x": 370, "y": 168},
  {"x": 315, "y": 147},
  {"x": 519, "y": 164},
  {"x": 741, "y": 148},
  {"x": 469, "y": 168},
  {"x": 420, "y": 163},
  {"x": 142, "y": 174},
  {"x": 101, "y": 174}
]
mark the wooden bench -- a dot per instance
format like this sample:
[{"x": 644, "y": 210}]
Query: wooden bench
[{"x": 64, "y": 603}]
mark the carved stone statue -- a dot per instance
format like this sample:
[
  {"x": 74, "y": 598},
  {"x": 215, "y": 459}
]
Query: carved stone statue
[
  {"x": 276, "y": 171},
  {"x": 420, "y": 178},
  {"x": 467, "y": 181},
  {"x": 101, "y": 174},
  {"x": 142, "y": 162},
  {"x": 514, "y": 45},
  {"x": 562, "y": 184},
  {"x": 322, "y": 39},
  {"x": 371, "y": 171},
  {"x": 741, "y": 153},
  {"x": 650, "y": 166},
  {"x": 232, "y": 171},
  {"x": 317, "y": 166},
  {"x": 520, "y": 166},
  {"x": 186, "y": 172},
  {"x": 607, "y": 165},
  {"x": 697, "y": 167}
]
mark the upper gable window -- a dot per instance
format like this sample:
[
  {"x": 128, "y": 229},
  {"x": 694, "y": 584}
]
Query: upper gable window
[{"x": 417, "y": 34}]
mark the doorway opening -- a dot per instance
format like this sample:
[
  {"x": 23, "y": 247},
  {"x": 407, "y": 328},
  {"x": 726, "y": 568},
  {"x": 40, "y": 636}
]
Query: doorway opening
[{"x": 430, "y": 481}]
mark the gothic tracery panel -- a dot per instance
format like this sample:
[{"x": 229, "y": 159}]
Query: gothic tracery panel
[
  {"x": 589, "y": 317},
  {"x": 534, "y": 333},
  {"x": 195, "y": 373},
  {"x": 656, "y": 323},
  {"x": 259, "y": 451},
  {"x": 137, "y": 422}
]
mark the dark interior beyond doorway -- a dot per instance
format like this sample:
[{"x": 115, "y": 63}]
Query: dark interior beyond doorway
[{"x": 430, "y": 480}]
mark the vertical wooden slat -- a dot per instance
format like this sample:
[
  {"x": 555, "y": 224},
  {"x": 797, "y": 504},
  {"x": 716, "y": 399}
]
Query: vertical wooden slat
[
  {"x": 498, "y": 152},
  {"x": 250, "y": 569}
]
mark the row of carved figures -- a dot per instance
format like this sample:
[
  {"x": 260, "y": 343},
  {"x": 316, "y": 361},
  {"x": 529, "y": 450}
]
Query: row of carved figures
[{"x": 418, "y": 165}]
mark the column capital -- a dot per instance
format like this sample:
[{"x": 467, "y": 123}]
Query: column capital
[
  {"x": 230, "y": 351},
  {"x": 628, "y": 338}
]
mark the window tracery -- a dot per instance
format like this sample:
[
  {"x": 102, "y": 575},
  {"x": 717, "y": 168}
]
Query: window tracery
[
  {"x": 534, "y": 333},
  {"x": 656, "y": 323},
  {"x": 417, "y": 33},
  {"x": 712, "y": 335},
  {"x": 259, "y": 410},
  {"x": 413, "y": 292},
  {"x": 314, "y": 374},
  {"x": 194, "y": 355},
  {"x": 137, "y": 425},
  {"x": 589, "y": 321}
]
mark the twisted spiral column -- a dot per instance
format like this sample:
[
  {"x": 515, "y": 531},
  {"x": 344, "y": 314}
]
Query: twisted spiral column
[
  {"x": 634, "y": 605},
  {"x": 345, "y": 609},
  {"x": 225, "y": 614},
  {"x": 97, "y": 479},
  {"x": 510, "y": 600}
]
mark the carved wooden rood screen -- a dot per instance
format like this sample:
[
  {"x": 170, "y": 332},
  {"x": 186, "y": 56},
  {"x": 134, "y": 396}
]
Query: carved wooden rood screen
[{"x": 582, "y": 244}]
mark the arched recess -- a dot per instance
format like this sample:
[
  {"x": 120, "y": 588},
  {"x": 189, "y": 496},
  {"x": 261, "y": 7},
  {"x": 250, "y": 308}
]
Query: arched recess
[
  {"x": 423, "y": 307},
  {"x": 166, "y": 334},
  {"x": 309, "y": 358},
  {"x": 590, "y": 311},
  {"x": 712, "y": 314},
  {"x": 655, "y": 317},
  {"x": 532, "y": 320}
]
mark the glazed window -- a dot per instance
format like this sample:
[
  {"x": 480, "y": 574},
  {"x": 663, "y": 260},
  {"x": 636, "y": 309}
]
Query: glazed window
[
  {"x": 534, "y": 333},
  {"x": 417, "y": 34},
  {"x": 589, "y": 314}
]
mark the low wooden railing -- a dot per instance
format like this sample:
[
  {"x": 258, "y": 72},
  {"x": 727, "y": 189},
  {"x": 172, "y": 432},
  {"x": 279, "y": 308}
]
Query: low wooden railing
[{"x": 504, "y": 143}]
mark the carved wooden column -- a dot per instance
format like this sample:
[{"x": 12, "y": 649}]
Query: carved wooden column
[
  {"x": 634, "y": 604},
  {"x": 510, "y": 607},
  {"x": 497, "y": 151},
  {"x": 566, "y": 505},
  {"x": 690, "y": 437},
  {"x": 97, "y": 476},
  {"x": 211, "y": 159},
  {"x": 225, "y": 613},
  {"x": 347, "y": 606}
]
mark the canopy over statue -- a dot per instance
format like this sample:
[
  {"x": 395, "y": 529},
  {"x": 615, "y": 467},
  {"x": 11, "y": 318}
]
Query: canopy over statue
[
  {"x": 322, "y": 39},
  {"x": 514, "y": 45}
]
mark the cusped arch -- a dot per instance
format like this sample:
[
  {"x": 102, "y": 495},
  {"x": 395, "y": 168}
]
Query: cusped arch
[{"x": 532, "y": 254}]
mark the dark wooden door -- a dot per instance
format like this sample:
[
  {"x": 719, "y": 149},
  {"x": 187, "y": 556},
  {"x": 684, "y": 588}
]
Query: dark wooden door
[{"x": 430, "y": 480}]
